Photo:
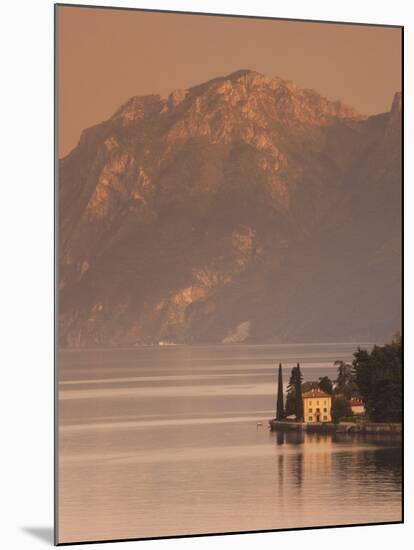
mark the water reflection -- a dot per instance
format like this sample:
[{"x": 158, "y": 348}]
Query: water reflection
[
  {"x": 288, "y": 437},
  {"x": 350, "y": 462}
]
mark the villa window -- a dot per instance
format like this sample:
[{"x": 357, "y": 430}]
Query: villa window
[
  {"x": 310, "y": 409},
  {"x": 325, "y": 418},
  {"x": 325, "y": 410},
  {"x": 310, "y": 418}
]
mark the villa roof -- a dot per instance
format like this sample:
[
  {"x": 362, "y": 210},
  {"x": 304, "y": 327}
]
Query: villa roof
[{"x": 315, "y": 393}]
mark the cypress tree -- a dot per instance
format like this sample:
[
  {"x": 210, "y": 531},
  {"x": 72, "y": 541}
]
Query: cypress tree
[
  {"x": 298, "y": 394},
  {"x": 280, "y": 412}
]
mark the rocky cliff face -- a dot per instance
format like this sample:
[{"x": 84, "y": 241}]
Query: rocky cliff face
[{"x": 243, "y": 209}]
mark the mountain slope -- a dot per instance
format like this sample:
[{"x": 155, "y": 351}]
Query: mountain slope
[{"x": 243, "y": 209}]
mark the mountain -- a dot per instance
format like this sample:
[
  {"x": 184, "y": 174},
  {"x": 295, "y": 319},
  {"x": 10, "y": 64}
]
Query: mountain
[{"x": 243, "y": 209}]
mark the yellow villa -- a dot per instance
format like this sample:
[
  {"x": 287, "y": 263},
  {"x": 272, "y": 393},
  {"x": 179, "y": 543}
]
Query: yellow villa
[{"x": 317, "y": 406}]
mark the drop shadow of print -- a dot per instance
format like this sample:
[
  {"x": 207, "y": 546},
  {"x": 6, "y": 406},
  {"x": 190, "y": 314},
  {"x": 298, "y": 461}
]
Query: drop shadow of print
[{"x": 44, "y": 534}]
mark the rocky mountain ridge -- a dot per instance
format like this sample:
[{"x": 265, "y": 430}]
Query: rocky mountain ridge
[{"x": 242, "y": 209}]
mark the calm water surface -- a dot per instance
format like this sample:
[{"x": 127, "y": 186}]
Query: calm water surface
[{"x": 164, "y": 441}]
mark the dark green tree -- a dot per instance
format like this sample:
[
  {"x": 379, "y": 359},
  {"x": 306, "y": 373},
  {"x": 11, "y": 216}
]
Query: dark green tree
[
  {"x": 291, "y": 394},
  {"x": 290, "y": 403},
  {"x": 309, "y": 385},
  {"x": 325, "y": 384},
  {"x": 378, "y": 375},
  {"x": 298, "y": 394},
  {"x": 340, "y": 408},
  {"x": 280, "y": 410},
  {"x": 345, "y": 383}
]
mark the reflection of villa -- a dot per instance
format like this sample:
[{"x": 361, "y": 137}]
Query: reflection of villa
[{"x": 317, "y": 406}]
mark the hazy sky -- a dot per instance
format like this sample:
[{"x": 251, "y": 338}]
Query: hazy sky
[{"x": 106, "y": 56}]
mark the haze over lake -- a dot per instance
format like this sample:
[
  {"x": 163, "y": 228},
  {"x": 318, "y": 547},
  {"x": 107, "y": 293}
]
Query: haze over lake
[{"x": 158, "y": 441}]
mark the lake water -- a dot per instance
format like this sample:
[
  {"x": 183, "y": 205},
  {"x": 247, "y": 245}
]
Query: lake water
[{"x": 164, "y": 441}]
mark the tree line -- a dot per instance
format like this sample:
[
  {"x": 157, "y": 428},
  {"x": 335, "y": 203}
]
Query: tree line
[{"x": 374, "y": 377}]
